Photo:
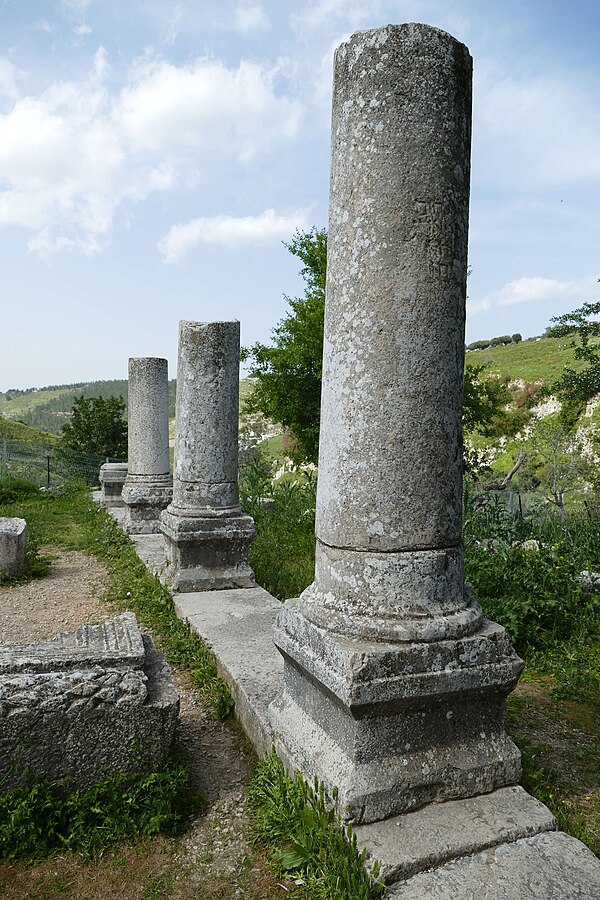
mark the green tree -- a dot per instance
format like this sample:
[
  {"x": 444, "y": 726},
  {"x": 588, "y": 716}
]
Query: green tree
[
  {"x": 583, "y": 326},
  {"x": 288, "y": 373},
  {"x": 97, "y": 426}
]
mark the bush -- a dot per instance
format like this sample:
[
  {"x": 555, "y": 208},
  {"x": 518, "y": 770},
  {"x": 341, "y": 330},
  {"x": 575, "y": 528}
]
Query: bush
[
  {"x": 13, "y": 490},
  {"x": 516, "y": 338}
]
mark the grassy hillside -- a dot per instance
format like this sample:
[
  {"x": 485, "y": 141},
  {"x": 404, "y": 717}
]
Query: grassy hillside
[
  {"x": 17, "y": 431},
  {"x": 541, "y": 359}
]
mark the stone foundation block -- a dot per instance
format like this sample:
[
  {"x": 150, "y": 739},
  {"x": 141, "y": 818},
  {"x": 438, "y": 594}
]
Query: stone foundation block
[
  {"x": 207, "y": 553},
  {"x": 112, "y": 479},
  {"x": 394, "y": 726},
  {"x": 96, "y": 701},
  {"x": 13, "y": 545},
  {"x": 144, "y": 498}
]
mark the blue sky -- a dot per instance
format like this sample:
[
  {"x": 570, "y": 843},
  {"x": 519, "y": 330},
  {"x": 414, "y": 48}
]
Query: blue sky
[{"x": 154, "y": 155}]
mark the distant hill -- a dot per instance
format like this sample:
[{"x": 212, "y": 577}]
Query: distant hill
[
  {"x": 17, "y": 431},
  {"x": 536, "y": 359},
  {"x": 48, "y": 408}
]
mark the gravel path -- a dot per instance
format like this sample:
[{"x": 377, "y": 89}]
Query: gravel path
[{"x": 216, "y": 845}]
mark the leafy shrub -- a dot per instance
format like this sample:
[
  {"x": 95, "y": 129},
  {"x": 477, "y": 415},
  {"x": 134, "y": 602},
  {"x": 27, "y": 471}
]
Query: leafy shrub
[{"x": 12, "y": 490}]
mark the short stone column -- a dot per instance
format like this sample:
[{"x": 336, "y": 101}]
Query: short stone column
[
  {"x": 13, "y": 546},
  {"x": 206, "y": 533},
  {"x": 148, "y": 487},
  {"x": 394, "y": 683},
  {"x": 112, "y": 479}
]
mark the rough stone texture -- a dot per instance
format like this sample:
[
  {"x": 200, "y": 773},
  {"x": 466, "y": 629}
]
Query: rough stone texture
[
  {"x": 390, "y": 463},
  {"x": 112, "y": 479},
  {"x": 13, "y": 546},
  {"x": 394, "y": 684},
  {"x": 550, "y": 866},
  {"x": 206, "y": 533},
  {"x": 394, "y": 726},
  {"x": 148, "y": 416},
  {"x": 99, "y": 699},
  {"x": 148, "y": 487},
  {"x": 439, "y": 832},
  {"x": 237, "y": 626}
]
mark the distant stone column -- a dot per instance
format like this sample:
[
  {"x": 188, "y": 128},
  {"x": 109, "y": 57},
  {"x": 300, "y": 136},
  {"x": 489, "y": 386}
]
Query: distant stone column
[
  {"x": 148, "y": 486},
  {"x": 207, "y": 535},
  {"x": 394, "y": 683}
]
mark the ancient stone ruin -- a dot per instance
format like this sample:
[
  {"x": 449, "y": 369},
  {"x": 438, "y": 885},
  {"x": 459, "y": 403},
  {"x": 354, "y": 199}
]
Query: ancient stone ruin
[
  {"x": 394, "y": 683},
  {"x": 206, "y": 533},
  {"x": 95, "y": 701},
  {"x": 149, "y": 486},
  {"x": 13, "y": 546},
  {"x": 112, "y": 479}
]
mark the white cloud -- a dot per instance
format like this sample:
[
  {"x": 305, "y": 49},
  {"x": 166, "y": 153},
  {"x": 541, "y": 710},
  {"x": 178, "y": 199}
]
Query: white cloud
[
  {"x": 536, "y": 290},
  {"x": 230, "y": 231},
  {"x": 205, "y": 103},
  {"x": 82, "y": 30},
  {"x": 249, "y": 15},
  {"x": 173, "y": 23},
  {"x": 44, "y": 26},
  {"x": 72, "y": 156}
]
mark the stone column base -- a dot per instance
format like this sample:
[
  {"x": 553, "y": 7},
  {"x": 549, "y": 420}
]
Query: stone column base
[
  {"x": 112, "y": 479},
  {"x": 394, "y": 726},
  {"x": 145, "y": 496},
  {"x": 207, "y": 553}
]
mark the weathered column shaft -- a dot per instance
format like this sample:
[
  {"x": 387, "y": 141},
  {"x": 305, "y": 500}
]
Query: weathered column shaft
[
  {"x": 206, "y": 533},
  {"x": 148, "y": 416},
  {"x": 148, "y": 487},
  {"x": 394, "y": 685},
  {"x": 390, "y": 462},
  {"x": 206, "y": 429}
]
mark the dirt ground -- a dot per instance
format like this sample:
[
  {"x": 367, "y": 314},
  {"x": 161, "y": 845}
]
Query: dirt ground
[{"x": 215, "y": 857}]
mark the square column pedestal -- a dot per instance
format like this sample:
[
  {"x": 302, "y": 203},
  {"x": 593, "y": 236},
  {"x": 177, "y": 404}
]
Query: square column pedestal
[
  {"x": 394, "y": 726},
  {"x": 207, "y": 553}
]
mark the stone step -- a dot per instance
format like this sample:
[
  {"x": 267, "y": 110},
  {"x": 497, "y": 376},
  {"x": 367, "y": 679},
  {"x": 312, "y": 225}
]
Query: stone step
[
  {"x": 439, "y": 832},
  {"x": 548, "y": 866}
]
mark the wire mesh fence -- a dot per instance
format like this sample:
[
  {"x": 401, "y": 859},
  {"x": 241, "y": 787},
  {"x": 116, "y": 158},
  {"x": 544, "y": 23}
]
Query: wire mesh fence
[
  {"x": 529, "y": 504},
  {"x": 47, "y": 465}
]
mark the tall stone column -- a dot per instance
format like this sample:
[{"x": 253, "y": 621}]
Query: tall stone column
[
  {"x": 207, "y": 535},
  {"x": 148, "y": 486},
  {"x": 394, "y": 683}
]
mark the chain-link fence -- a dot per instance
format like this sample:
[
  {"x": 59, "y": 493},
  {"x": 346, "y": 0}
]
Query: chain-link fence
[{"x": 47, "y": 465}]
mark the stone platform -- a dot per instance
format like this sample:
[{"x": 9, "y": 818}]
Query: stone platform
[
  {"x": 86, "y": 703},
  {"x": 497, "y": 846}
]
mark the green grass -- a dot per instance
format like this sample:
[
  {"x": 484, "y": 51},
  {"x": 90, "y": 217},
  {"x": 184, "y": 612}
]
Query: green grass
[
  {"x": 18, "y": 431},
  {"x": 541, "y": 360},
  {"x": 43, "y": 820},
  {"x": 72, "y": 521},
  {"x": 306, "y": 838}
]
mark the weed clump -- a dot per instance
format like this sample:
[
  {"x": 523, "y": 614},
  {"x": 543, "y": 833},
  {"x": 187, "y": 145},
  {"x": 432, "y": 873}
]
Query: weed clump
[
  {"x": 43, "y": 820},
  {"x": 311, "y": 843}
]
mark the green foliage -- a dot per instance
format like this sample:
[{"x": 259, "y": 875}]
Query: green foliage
[
  {"x": 44, "y": 820},
  {"x": 283, "y": 554},
  {"x": 97, "y": 426},
  {"x": 288, "y": 373},
  {"x": 310, "y": 840},
  {"x": 484, "y": 402},
  {"x": 536, "y": 593},
  {"x": 583, "y": 326},
  {"x": 12, "y": 490},
  {"x": 516, "y": 338}
]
